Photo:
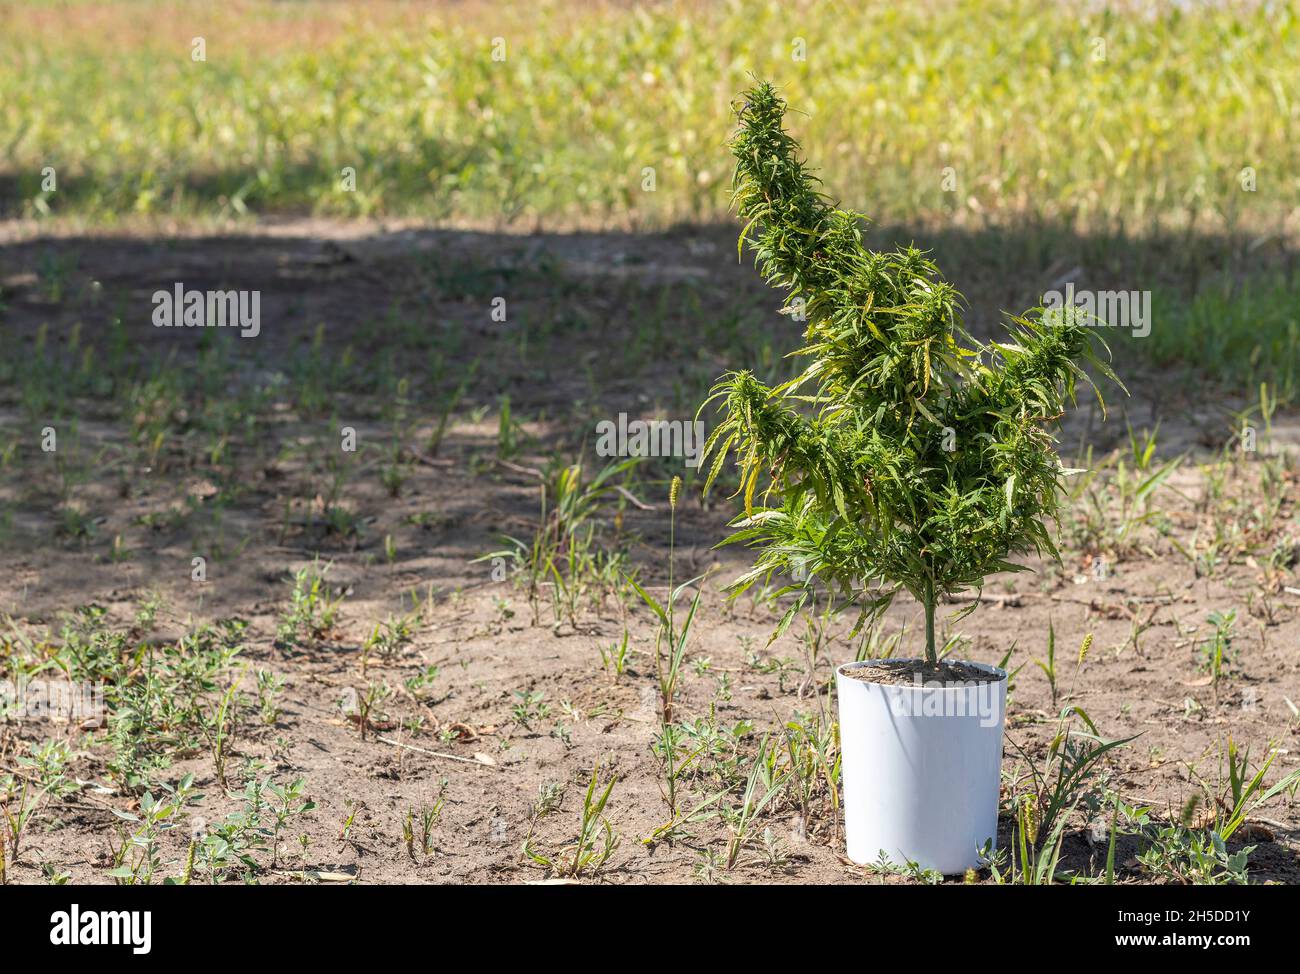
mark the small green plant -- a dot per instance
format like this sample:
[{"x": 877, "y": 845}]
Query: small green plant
[
  {"x": 219, "y": 727},
  {"x": 1034, "y": 862},
  {"x": 1135, "y": 481},
  {"x": 613, "y": 658},
  {"x": 1241, "y": 791},
  {"x": 531, "y": 706},
  {"x": 147, "y": 612},
  {"x": 369, "y": 705},
  {"x": 54, "y": 876},
  {"x": 905, "y": 456},
  {"x": 564, "y": 554},
  {"x": 137, "y": 858},
  {"x": 884, "y": 866},
  {"x": 408, "y": 833},
  {"x": 269, "y": 687},
  {"x": 762, "y": 785},
  {"x": 388, "y": 639},
  {"x": 550, "y": 796},
  {"x": 708, "y": 867},
  {"x": 232, "y": 845},
  {"x": 670, "y": 641},
  {"x": 1048, "y": 666},
  {"x": 287, "y": 804},
  {"x": 313, "y": 609},
  {"x": 670, "y": 649},
  {"x": 424, "y": 678},
  {"x": 23, "y": 794},
  {"x": 349, "y": 820},
  {"x": 1067, "y": 780},
  {"x": 508, "y": 432},
  {"x": 160, "y": 697},
  {"x": 1174, "y": 853},
  {"x": 429, "y": 815},
  {"x": 1217, "y": 650},
  {"x": 596, "y": 839}
]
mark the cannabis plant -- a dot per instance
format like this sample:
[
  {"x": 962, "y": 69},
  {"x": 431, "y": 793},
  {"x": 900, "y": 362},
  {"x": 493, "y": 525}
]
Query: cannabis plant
[{"x": 906, "y": 455}]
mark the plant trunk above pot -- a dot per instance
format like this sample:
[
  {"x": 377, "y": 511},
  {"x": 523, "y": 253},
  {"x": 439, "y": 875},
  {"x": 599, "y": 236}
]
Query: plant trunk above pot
[{"x": 922, "y": 761}]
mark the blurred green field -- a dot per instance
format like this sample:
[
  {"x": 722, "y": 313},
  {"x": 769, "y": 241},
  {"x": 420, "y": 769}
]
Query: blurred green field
[
  {"x": 1071, "y": 129},
  {"x": 1039, "y": 109}
]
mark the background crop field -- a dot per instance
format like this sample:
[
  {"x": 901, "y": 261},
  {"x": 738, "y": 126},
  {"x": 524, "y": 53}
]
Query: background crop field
[
  {"x": 1045, "y": 111},
  {"x": 1080, "y": 132},
  {"x": 433, "y": 638}
]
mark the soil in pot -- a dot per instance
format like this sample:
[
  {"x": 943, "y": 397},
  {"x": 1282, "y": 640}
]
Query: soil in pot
[{"x": 910, "y": 672}]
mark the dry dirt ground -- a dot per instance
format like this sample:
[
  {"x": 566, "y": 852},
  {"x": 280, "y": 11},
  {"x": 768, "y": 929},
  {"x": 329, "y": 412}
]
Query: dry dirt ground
[{"x": 597, "y": 324}]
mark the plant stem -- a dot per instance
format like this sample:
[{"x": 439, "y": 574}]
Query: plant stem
[{"x": 931, "y": 657}]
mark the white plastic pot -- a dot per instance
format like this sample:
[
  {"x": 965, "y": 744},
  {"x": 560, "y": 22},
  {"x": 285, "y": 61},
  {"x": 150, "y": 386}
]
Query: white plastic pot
[{"x": 922, "y": 769}]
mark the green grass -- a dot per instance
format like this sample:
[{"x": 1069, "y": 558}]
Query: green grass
[
  {"x": 1006, "y": 93},
  {"x": 1129, "y": 167},
  {"x": 1246, "y": 331}
]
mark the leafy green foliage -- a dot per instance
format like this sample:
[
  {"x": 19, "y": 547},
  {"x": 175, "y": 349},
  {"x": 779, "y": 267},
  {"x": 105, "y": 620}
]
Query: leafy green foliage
[
  {"x": 583, "y": 856},
  {"x": 906, "y": 455},
  {"x": 1179, "y": 100}
]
